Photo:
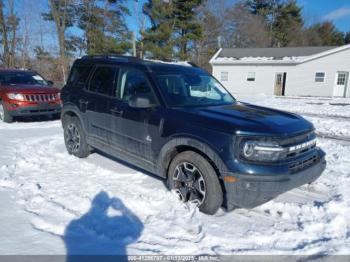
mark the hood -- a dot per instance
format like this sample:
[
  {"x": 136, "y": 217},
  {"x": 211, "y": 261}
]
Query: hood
[
  {"x": 250, "y": 119},
  {"x": 31, "y": 89}
]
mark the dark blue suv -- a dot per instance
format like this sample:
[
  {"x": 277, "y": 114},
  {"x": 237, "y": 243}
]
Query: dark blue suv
[{"x": 180, "y": 123}]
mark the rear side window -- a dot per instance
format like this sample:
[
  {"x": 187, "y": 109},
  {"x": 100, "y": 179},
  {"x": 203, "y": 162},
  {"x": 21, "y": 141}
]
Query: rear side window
[
  {"x": 79, "y": 75},
  {"x": 103, "y": 80}
]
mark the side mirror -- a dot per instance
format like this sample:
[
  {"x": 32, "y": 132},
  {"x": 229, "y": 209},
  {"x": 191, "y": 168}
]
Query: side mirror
[
  {"x": 140, "y": 101},
  {"x": 50, "y": 83}
]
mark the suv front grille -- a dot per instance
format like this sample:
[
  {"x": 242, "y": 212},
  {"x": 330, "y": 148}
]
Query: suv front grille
[
  {"x": 297, "y": 139},
  {"x": 303, "y": 164},
  {"x": 299, "y": 145},
  {"x": 41, "y": 97}
]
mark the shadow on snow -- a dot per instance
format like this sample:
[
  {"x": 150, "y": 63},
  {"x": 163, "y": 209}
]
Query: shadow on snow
[{"x": 105, "y": 230}]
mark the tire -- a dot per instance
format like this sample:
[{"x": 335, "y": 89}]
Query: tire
[
  {"x": 4, "y": 114},
  {"x": 75, "y": 138},
  {"x": 201, "y": 179}
]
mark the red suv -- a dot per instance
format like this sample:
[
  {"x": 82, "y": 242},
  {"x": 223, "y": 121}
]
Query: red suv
[{"x": 26, "y": 93}]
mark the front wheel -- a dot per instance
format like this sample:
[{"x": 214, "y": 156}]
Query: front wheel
[
  {"x": 4, "y": 114},
  {"x": 193, "y": 178},
  {"x": 75, "y": 139}
]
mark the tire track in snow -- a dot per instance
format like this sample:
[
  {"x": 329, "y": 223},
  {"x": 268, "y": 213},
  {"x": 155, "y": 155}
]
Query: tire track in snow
[
  {"x": 333, "y": 137},
  {"x": 296, "y": 222}
]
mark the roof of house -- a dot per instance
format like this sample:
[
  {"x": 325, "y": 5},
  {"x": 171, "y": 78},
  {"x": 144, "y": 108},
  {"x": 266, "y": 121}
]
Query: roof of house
[
  {"x": 286, "y": 55},
  {"x": 276, "y": 53}
]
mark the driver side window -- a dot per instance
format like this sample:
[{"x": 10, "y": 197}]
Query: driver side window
[{"x": 133, "y": 82}]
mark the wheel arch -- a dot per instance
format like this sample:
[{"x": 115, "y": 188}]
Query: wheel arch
[
  {"x": 178, "y": 145},
  {"x": 69, "y": 111}
]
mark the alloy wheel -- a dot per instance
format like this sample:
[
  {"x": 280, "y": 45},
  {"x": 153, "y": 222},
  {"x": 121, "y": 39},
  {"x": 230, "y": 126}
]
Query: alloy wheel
[
  {"x": 72, "y": 137},
  {"x": 189, "y": 183}
]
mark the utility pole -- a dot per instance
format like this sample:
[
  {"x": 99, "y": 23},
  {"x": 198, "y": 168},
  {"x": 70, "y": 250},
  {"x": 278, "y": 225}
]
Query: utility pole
[{"x": 133, "y": 44}]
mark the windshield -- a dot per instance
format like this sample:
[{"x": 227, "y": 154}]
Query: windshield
[
  {"x": 185, "y": 89},
  {"x": 21, "y": 78}
]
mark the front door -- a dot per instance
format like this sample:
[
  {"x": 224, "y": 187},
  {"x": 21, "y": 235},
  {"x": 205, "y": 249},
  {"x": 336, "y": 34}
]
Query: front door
[
  {"x": 341, "y": 80},
  {"x": 134, "y": 128},
  {"x": 280, "y": 84}
]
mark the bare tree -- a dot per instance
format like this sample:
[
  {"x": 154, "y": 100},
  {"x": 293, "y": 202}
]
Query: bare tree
[
  {"x": 9, "y": 27},
  {"x": 140, "y": 18},
  {"x": 5, "y": 44},
  {"x": 27, "y": 19},
  {"x": 13, "y": 22},
  {"x": 243, "y": 29},
  {"x": 212, "y": 24},
  {"x": 62, "y": 14}
]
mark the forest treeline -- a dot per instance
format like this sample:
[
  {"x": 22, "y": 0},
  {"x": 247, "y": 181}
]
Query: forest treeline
[{"x": 166, "y": 30}]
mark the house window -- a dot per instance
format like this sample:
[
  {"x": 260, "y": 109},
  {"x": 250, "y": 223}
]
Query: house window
[
  {"x": 341, "y": 79},
  {"x": 320, "y": 76},
  {"x": 224, "y": 76},
  {"x": 251, "y": 76}
]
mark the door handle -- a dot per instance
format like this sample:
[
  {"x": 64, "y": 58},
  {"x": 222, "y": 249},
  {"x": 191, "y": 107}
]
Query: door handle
[
  {"x": 83, "y": 101},
  {"x": 116, "y": 111}
]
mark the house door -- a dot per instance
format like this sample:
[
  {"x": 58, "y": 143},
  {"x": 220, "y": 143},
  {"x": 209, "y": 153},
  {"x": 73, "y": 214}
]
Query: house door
[
  {"x": 341, "y": 80},
  {"x": 280, "y": 84}
]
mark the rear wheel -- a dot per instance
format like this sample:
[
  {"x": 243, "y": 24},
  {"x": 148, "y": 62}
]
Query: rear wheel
[
  {"x": 75, "y": 138},
  {"x": 4, "y": 114},
  {"x": 194, "y": 180}
]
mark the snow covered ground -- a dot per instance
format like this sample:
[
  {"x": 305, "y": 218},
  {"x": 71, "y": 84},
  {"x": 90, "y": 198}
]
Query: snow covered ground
[{"x": 51, "y": 201}]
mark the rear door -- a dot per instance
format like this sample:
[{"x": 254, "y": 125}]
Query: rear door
[
  {"x": 75, "y": 91},
  {"x": 98, "y": 99}
]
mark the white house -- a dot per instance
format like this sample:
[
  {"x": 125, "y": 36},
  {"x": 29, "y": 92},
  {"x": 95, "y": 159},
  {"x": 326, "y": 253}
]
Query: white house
[{"x": 292, "y": 71}]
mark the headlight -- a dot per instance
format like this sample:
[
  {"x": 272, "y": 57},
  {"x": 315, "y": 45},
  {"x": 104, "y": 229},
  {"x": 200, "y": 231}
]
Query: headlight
[
  {"x": 15, "y": 96},
  {"x": 261, "y": 151}
]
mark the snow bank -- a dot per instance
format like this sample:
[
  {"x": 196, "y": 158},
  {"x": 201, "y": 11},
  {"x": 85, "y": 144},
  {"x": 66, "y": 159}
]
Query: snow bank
[{"x": 111, "y": 209}]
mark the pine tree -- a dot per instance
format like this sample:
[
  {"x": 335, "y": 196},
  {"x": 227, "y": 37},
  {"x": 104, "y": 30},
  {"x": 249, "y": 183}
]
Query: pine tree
[
  {"x": 104, "y": 26},
  {"x": 288, "y": 26},
  {"x": 187, "y": 29},
  {"x": 158, "y": 42},
  {"x": 347, "y": 38},
  {"x": 260, "y": 7},
  {"x": 174, "y": 28},
  {"x": 328, "y": 34}
]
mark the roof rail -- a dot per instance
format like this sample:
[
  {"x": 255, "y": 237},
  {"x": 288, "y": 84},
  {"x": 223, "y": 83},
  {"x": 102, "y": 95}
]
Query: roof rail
[
  {"x": 192, "y": 64},
  {"x": 123, "y": 58}
]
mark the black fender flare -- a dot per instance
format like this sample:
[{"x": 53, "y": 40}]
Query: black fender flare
[
  {"x": 170, "y": 148},
  {"x": 71, "y": 108}
]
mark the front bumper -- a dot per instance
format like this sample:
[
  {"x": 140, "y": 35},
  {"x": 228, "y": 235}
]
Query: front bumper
[
  {"x": 250, "y": 191},
  {"x": 40, "y": 109}
]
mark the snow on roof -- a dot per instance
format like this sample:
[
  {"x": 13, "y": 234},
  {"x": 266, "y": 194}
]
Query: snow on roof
[
  {"x": 183, "y": 63},
  {"x": 289, "y": 55}
]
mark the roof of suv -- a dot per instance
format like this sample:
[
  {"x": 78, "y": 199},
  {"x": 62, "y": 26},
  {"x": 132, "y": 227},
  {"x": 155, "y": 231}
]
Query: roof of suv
[{"x": 148, "y": 65}]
